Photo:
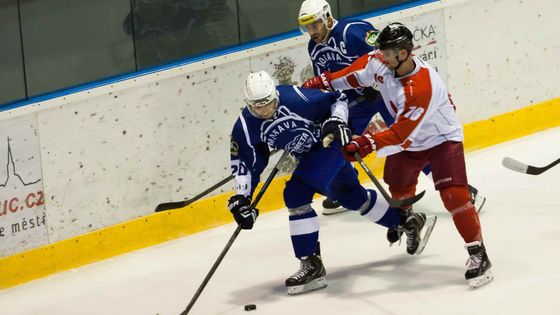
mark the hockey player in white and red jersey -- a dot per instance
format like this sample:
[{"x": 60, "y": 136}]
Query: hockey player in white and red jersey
[
  {"x": 426, "y": 131},
  {"x": 334, "y": 45}
]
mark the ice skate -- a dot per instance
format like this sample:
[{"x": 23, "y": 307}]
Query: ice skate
[
  {"x": 412, "y": 227},
  {"x": 394, "y": 234},
  {"x": 477, "y": 199},
  {"x": 332, "y": 207},
  {"x": 311, "y": 276},
  {"x": 478, "y": 265}
]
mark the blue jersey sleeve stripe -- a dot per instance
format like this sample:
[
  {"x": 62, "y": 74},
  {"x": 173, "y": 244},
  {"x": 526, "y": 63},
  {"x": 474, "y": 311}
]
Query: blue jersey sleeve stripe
[
  {"x": 248, "y": 139},
  {"x": 298, "y": 91}
]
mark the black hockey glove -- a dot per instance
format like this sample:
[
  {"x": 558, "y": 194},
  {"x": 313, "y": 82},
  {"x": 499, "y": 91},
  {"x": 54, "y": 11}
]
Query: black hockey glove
[
  {"x": 338, "y": 129},
  {"x": 239, "y": 206}
]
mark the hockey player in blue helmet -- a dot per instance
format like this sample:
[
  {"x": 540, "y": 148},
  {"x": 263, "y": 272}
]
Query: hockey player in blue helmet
[
  {"x": 295, "y": 119},
  {"x": 334, "y": 45}
]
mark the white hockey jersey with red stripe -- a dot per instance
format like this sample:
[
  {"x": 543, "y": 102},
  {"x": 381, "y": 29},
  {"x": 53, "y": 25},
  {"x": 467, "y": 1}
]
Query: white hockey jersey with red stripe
[{"x": 424, "y": 113}]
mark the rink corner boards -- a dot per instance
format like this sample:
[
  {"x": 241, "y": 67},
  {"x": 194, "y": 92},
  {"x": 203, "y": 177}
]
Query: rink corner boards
[{"x": 208, "y": 213}]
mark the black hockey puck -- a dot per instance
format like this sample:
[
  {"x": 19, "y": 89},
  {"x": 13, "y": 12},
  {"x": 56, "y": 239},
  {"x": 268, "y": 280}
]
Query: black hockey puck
[{"x": 250, "y": 307}]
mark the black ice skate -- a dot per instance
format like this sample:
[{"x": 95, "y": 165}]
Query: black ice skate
[
  {"x": 412, "y": 227},
  {"x": 332, "y": 207},
  {"x": 311, "y": 276},
  {"x": 478, "y": 265},
  {"x": 476, "y": 199},
  {"x": 394, "y": 235}
]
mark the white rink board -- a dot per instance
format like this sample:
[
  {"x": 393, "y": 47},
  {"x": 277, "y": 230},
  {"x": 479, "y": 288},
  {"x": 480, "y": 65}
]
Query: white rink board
[
  {"x": 22, "y": 201},
  {"x": 113, "y": 153}
]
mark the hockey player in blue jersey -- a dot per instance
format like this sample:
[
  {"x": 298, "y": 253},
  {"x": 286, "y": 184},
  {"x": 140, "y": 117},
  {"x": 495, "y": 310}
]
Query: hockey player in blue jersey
[
  {"x": 335, "y": 44},
  {"x": 296, "y": 119}
]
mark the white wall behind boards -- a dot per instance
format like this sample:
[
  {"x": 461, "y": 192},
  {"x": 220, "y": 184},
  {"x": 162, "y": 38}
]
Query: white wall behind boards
[
  {"x": 115, "y": 157},
  {"x": 502, "y": 55}
]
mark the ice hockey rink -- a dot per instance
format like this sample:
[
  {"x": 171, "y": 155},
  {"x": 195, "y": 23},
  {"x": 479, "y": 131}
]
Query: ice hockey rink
[{"x": 520, "y": 224}]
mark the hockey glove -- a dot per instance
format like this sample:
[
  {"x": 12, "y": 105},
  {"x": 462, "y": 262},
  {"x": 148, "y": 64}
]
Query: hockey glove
[
  {"x": 339, "y": 130},
  {"x": 319, "y": 82},
  {"x": 239, "y": 206},
  {"x": 362, "y": 145}
]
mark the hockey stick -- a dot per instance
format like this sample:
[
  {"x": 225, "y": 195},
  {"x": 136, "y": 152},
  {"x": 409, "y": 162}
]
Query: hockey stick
[
  {"x": 181, "y": 204},
  {"x": 234, "y": 236},
  {"x": 392, "y": 202},
  {"x": 521, "y": 167}
]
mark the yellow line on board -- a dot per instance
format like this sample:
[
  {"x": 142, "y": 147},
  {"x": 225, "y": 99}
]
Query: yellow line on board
[{"x": 208, "y": 213}]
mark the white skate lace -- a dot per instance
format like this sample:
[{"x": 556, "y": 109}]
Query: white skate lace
[
  {"x": 474, "y": 261},
  {"x": 305, "y": 267},
  {"x": 411, "y": 235}
]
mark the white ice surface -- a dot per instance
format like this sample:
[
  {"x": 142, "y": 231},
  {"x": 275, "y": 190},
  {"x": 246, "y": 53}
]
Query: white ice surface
[{"x": 521, "y": 226}]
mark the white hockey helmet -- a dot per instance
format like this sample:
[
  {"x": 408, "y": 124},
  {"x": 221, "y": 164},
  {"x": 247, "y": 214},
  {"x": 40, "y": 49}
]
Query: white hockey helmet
[
  {"x": 312, "y": 11},
  {"x": 260, "y": 91}
]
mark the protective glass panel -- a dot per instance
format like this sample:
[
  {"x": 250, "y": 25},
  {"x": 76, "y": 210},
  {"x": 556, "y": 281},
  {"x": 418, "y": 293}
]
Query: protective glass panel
[
  {"x": 70, "y": 42},
  {"x": 12, "y": 84},
  {"x": 356, "y": 7},
  {"x": 167, "y": 30},
  {"x": 258, "y": 19}
]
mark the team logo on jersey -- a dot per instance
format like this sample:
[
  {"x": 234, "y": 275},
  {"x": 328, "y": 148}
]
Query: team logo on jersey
[
  {"x": 301, "y": 143},
  {"x": 290, "y": 131},
  {"x": 233, "y": 148},
  {"x": 371, "y": 38}
]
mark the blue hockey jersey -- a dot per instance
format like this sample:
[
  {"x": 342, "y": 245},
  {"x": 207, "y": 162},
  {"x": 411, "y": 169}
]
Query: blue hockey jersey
[
  {"x": 347, "y": 41},
  {"x": 295, "y": 127}
]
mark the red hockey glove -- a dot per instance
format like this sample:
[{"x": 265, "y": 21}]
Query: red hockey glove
[
  {"x": 363, "y": 145},
  {"x": 319, "y": 82}
]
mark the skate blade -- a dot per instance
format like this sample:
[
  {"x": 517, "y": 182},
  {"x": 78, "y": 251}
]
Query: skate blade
[
  {"x": 315, "y": 284},
  {"x": 330, "y": 211},
  {"x": 481, "y": 280},
  {"x": 429, "y": 227},
  {"x": 479, "y": 202}
]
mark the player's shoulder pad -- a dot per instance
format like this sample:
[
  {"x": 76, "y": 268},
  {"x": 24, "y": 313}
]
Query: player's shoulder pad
[
  {"x": 318, "y": 95},
  {"x": 362, "y": 31}
]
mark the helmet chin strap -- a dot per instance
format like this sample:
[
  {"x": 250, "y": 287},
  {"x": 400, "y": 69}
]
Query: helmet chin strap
[
  {"x": 399, "y": 65},
  {"x": 329, "y": 29},
  {"x": 400, "y": 62},
  {"x": 324, "y": 40}
]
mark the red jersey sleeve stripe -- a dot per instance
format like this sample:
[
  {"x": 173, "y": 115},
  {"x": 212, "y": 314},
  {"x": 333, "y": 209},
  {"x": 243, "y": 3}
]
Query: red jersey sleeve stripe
[
  {"x": 357, "y": 65},
  {"x": 352, "y": 80}
]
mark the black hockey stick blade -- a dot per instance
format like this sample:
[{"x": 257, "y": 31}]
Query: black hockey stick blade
[
  {"x": 394, "y": 203},
  {"x": 171, "y": 205},
  {"x": 521, "y": 167},
  {"x": 181, "y": 204}
]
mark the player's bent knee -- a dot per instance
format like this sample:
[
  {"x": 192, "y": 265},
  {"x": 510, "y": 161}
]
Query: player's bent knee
[
  {"x": 454, "y": 197},
  {"x": 300, "y": 210},
  {"x": 297, "y": 194}
]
